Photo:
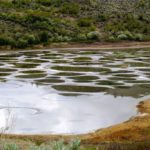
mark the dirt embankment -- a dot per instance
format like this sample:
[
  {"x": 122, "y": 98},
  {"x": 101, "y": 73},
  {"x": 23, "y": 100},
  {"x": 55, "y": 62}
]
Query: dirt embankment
[
  {"x": 135, "y": 129},
  {"x": 86, "y": 46},
  {"x": 107, "y": 45}
]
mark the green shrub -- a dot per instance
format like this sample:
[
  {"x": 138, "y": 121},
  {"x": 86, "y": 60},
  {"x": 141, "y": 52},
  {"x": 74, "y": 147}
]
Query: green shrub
[
  {"x": 18, "y": 35},
  {"x": 39, "y": 148},
  {"x": 6, "y": 40},
  {"x": 103, "y": 17},
  {"x": 30, "y": 38},
  {"x": 70, "y": 8},
  {"x": 61, "y": 38},
  {"x": 22, "y": 3},
  {"x": 56, "y": 3},
  {"x": 40, "y": 25},
  {"x": 59, "y": 145},
  {"x": 67, "y": 39},
  {"x": 34, "y": 21},
  {"x": 74, "y": 145},
  {"x": 43, "y": 36},
  {"x": 129, "y": 35},
  {"x": 82, "y": 37},
  {"x": 111, "y": 38},
  {"x": 21, "y": 43},
  {"x": 85, "y": 22},
  {"x": 138, "y": 37},
  {"x": 10, "y": 146},
  {"x": 94, "y": 35},
  {"x": 122, "y": 36},
  {"x": 44, "y": 2},
  {"x": 125, "y": 35}
]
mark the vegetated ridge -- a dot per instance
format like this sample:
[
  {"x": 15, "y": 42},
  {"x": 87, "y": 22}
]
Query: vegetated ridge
[{"x": 24, "y": 23}]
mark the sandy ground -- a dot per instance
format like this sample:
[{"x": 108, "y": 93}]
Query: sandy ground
[{"x": 120, "y": 45}]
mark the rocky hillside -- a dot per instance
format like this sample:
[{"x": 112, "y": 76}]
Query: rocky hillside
[{"x": 24, "y": 23}]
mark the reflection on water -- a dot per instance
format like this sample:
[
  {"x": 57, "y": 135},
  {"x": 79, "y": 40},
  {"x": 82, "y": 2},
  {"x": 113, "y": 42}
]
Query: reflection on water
[{"x": 71, "y": 91}]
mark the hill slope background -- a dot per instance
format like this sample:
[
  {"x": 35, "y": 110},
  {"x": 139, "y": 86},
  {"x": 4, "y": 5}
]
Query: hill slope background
[{"x": 24, "y": 23}]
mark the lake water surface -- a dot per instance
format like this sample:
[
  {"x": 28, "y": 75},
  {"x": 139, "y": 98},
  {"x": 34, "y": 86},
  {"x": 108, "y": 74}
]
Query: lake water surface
[{"x": 71, "y": 91}]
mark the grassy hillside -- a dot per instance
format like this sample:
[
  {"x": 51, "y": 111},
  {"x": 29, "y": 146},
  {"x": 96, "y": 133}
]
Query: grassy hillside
[{"x": 24, "y": 23}]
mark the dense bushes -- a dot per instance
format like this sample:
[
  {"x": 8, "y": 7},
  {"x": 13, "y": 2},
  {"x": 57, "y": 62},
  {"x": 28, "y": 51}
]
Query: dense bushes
[
  {"x": 85, "y": 22},
  {"x": 70, "y": 8},
  {"x": 94, "y": 35},
  {"x": 21, "y": 43},
  {"x": 43, "y": 36},
  {"x": 5, "y": 40},
  {"x": 44, "y": 2},
  {"x": 126, "y": 35},
  {"x": 82, "y": 37},
  {"x": 25, "y": 23}
]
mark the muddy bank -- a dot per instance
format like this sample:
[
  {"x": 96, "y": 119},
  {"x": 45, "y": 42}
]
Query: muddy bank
[
  {"x": 82, "y": 46},
  {"x": 135, "y": 129}
]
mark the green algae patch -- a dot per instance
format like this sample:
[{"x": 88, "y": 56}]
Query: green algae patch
[
  {"x": 80, "y": 69},
  {"x": 121, "y": 71},
  {"x": 2, "y": 80},
  {"x": 36, "y": 60},
  {"x": 33, "y": 71},
  {"x": 68, "y": 74},
  {"x": 10, "y": 55},
  {"x": 126, "y": 75},
  {"x": 7, "y": 70},
  {"x": 25, "y": 65},
  {"x": 102, "y": 62},
  {"x": 122, "y": 78},
  {"x": 4, "y": 74},
  {"x": 49, "y": 80},
  {"x": 139, "y": 81},
  {"x": 77, "y": 88},
  {"x": 138, "y": 64},
  {"x": 70, "y": 94},
  {"x": 51, "y": 57},
  {"x": 32, "y": 76},
  {"x": 31, "y": 53},
  {"x": 144, "y": 69},
  {"x": 142, "y": 60},
  {"x": 60, "y": 61},
  {"x": 84, "y": 63},
  {"x": 123, "y": 86},
  {"x": 107, "y": 58},
  {"x": 82, "y": 59},
  {"x": 108, "y": 82},
  {"x": 116, "y": 66},
  {"x": 84, "y": 78},
  {"x": 53, "y": 54},
  {"x": 89, "y": 52},
  {"x": 5, "y": 59}
]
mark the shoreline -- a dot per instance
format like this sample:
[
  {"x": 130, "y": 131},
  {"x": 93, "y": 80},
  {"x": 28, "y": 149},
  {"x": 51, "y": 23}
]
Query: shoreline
[{"x": 85, "y": 46}]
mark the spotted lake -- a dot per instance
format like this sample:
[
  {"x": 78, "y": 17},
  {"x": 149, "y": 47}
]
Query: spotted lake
[{"x": 71, "y": 91}]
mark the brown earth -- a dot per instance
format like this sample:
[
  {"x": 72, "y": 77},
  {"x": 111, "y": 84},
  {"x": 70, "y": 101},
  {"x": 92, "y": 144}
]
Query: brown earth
[{"x": 87, "y": 46}]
